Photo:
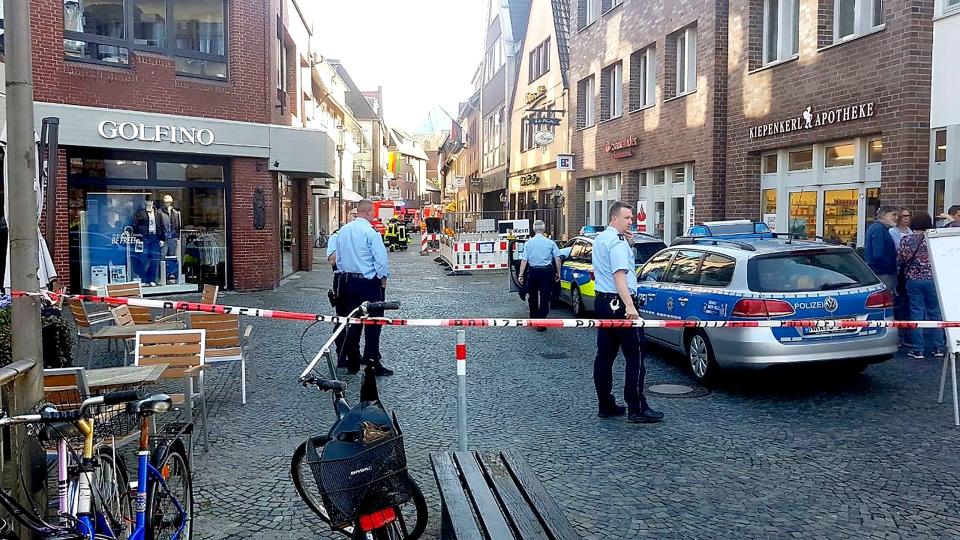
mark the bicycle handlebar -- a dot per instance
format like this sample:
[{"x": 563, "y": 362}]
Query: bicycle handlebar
[
  {"x": 376, "y": 309},
  {"x": 325, "y": 385},
  {"x": 49, "y": 414}
]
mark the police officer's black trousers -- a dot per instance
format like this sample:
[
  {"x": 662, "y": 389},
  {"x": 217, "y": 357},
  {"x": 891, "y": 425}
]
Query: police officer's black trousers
[
  {"x": 610, "y": 341},
  {"x": 341, "y": 354},
  {"x": 353, "y": 292},
  {"x": 539, "y": 282}
]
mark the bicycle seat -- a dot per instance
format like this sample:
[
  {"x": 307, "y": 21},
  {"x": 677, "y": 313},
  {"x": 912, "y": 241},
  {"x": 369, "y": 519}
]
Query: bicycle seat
[{"x": 152, "y": 404}]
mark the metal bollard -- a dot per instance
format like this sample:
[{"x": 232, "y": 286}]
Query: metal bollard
[{"x": 461, "y": 390}]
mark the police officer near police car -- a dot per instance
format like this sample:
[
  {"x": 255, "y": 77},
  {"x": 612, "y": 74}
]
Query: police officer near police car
[
  {"x": 539, "y": 271},
  {"x": 337, "y": 305},
  {"x": 616, "y": 298},
  {"x": 361, "y": 260}
]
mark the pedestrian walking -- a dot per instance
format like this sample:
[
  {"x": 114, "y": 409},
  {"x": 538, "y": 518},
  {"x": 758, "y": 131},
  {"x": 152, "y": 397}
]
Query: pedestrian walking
[
  {"x": 914, "y": 259},
  {"x": 332, "y": 293},
  {"x": 616, "y": 291},
  {"x": 362, "y": 262},
  {"x": 539, "y": 271},
  {"x": 902, "y": 228},
  {"x": 879, "y": 250}
]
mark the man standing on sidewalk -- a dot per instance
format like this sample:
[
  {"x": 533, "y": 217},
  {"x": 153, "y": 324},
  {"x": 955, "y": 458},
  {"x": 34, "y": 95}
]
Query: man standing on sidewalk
[
  {"x": 362, "y": 262},
  {"x": 542, "y": 256},
  {"x": 879, "y": 250},
  {"x": 616, "y": 291},
  {"x": 334, "y": 300}
]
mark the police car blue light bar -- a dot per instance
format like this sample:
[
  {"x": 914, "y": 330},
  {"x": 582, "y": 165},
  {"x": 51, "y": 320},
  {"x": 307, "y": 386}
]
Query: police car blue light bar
[{"x": 724, "y": 228}]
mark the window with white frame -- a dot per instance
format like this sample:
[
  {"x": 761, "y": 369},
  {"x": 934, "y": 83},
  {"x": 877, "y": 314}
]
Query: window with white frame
[
  {"x": 781, "y": 29},
  {"x": 684, "y": 69},
  {"x": 611, "y": 100},
  {"x": 586, "y": 103},
  {"x": 539, "y": 61},
  {"x": 493, "y": 60},
  {"x": 601, "y": 192},
  {"x": 493, "y": 148},
  {"x": 607, "y": 5},
  {"x": 587, "y": 12},
  {"x": 643, "y": 77},
  {"x": 666, "y": 195},
  {"x": 852, "y": 18},
  {"x": 950, "y": 5}
]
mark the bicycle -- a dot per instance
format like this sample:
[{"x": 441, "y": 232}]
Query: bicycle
[
  {"x": 83, "y": 481},
  {"x": 322, "y": 240},
  {"x": 359, "y": 466}
]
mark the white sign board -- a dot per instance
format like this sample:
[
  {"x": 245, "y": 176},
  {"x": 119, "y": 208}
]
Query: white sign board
[
  {"x": 458, "y": 182},
  {"x": 770, "y": 220},
  {"x": 486, "y": 225},
  {"x": 564, "y": 162},
  {"x": 690, "y": 213},
  {"x": 641, "y": 210},
  {"x": 943, "y": 245},
  {"x": 520, "y": 227}
]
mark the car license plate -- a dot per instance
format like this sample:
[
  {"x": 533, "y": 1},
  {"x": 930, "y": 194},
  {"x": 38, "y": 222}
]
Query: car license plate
[{"x": 820, "y": 331}]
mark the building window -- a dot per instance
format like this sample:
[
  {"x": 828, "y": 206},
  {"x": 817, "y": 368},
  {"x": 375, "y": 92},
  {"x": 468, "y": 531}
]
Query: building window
[
  {"x": 679, "y": 175},
  {"x": 800, "y": 160},
  {"x": 191, "y": 31},
  {"x": 768, "y": 205},
  {"x": 803, "y": 213},
  {"x": 493, "y": 61},
  {"x": 840, "y": 155},
  {"x": 1, "y": 25},
  {"x": 684, "y": 66},
  {"x": 769, "y": 162},
  {"x": 643, "y": 77},
  {"x": 853, "y": 18},
  {"x": 949, "y": 5},
  {"x": 611, "y": 99},
  {"x": 539, "y": 60},
  {"x": 607, "y": 5},
  {"x": 281, "y": 60},
  {"x": 781, "y": 29},
  {"x": 939, "y": 192},
  {"x": 493, "y": 147},
  {"x": 875, "y": 151},
  {"x": 940, "y": 146},
  {"x": 586, "y": 103},
  {"x": 659, "y": 177},
  {"x": 587, "y": 12}
]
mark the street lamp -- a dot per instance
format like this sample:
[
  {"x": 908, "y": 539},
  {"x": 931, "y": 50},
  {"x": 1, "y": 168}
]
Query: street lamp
[
  {"x": 341, "y": 143},
  {"x": 557, "y": 196}
]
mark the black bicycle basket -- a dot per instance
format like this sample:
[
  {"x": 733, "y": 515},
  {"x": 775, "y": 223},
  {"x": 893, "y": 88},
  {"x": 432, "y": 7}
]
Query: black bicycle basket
[{"x": 363, "y": 469}]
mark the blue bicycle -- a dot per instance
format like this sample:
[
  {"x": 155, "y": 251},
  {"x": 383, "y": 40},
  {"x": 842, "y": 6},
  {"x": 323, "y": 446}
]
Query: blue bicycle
[{"x": 94, "y": 497}]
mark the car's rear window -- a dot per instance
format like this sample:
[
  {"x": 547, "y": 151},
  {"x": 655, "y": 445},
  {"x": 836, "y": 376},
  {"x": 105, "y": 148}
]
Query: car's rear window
[
  {"x": 809, "y": 271},
  {"x": 642, "y": 251}
]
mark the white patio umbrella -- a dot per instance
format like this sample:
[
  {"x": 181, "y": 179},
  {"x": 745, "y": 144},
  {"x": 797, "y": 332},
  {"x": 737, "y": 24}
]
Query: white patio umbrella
[{"x": 46, "y": 272}]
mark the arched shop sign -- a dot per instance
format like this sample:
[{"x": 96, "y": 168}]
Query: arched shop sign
[{"x": 133, "y": 131}]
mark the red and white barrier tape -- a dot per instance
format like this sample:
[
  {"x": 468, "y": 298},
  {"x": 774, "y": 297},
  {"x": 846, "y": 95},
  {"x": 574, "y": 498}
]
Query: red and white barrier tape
[{"x": 487, "y": 322}]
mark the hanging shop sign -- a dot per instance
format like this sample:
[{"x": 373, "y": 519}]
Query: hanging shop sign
[
  {"x": 810, "y": 119},
  {"x": 621, "y": 148},
  {"x": 544, "y": 138},
  {"x": 132, "y": 131},
  {"x": 529, "y": 179},
  {"x": 564, "y": 162}
]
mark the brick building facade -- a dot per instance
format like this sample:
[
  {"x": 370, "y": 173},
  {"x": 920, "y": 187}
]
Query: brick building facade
[
  {"x": 647, "y": 124},
  {"x": 199, "y": 124}
]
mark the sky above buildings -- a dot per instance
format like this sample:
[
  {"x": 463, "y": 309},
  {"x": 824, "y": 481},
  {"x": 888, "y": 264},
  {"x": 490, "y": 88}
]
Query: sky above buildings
[{"x": 423, "y": 52}]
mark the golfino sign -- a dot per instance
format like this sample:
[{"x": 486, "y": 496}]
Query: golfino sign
[
  {"x": 131, "y": 131},
  {"x": 808, "y": 119}
]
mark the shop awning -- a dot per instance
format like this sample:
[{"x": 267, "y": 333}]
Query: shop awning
[{"x": 351, "y": 196}]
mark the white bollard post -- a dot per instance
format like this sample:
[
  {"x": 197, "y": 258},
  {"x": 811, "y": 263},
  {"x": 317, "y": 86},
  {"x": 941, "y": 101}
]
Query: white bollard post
[{"x": 461, "y": 390}]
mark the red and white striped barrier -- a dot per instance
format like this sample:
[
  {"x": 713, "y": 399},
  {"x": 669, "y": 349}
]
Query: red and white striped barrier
[
  {"x": 429, "y": 243},
  {"x": 491, "y": 323},
  {"x": 474, "y": 255}
]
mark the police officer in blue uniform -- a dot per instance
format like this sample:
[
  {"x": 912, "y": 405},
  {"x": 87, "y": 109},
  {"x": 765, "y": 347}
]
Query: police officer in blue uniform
[
  {"x": 539, "y": 271},
  {"x": 616, "y": 291},
  {"x": 361, "y": 260},
  {"x": 334, "y": 301}
]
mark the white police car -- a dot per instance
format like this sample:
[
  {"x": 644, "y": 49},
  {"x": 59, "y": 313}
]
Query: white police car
[{"x": 739, "y": 270}]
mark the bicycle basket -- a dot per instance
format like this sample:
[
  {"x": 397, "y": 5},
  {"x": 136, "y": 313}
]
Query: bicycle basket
[
  {"x": 371, "y": 478},
  {"x": 108, "y": 420}
]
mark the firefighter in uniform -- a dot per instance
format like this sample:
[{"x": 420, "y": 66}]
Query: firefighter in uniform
[
  {"x": 391, "y": 236},
  {"x": 616, "y": 291},
  {"x": 539, "y": 271},
  {"x": 334, "y": 301},
  {"x": 362, "y": 262}
]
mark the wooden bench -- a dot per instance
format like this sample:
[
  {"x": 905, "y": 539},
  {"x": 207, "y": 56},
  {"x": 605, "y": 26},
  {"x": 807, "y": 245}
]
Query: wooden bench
[{"x": 495, "y": 495}]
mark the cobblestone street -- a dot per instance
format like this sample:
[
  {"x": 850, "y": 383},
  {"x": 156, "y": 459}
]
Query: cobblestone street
[{"x": 802, "y": 455}]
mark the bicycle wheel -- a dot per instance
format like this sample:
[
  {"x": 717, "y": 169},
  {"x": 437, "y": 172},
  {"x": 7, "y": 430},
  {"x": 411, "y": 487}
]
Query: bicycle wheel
[
  {"x": 163, "y": 518},
  {"x": 111, "y": 485},
  {"x": 411, "y": 518}
]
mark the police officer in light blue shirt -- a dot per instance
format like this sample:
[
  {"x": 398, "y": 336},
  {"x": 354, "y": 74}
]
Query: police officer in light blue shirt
[
  {"x": 334, "y": 300},
  {"x": 539, "y": 271},
  {"x": 361, "y": 261},
  {"x": 616, "y": 289}
]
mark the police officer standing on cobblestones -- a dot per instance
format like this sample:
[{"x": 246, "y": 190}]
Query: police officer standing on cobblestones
[
  {"x": 539, "y": 271},
  {"x": 616, "y": 291},
  {"x": 362, "y": 263},
  {"x": 332, "y": 259}
]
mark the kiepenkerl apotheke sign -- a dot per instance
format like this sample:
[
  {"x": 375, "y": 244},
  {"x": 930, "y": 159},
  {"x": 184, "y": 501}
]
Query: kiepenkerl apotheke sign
[
  {"x": 810, "y": 119},
  {"x": 133, "y": 131}
]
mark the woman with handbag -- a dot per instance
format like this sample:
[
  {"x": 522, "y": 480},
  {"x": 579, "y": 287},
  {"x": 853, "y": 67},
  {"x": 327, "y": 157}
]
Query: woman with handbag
[{"x": 914, "y": 263}]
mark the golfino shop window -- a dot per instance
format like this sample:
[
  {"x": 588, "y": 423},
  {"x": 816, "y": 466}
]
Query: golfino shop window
[{"x": 157, "y": 219}]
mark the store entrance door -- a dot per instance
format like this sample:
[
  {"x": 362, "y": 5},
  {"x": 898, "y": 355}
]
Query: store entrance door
[{"x": 287, "y": 236}]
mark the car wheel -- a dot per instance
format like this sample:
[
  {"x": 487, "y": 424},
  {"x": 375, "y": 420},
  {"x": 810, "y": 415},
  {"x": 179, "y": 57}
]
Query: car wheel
[
  {"x": 576, "y": 302},
  {"x": 703, "y": 363}
]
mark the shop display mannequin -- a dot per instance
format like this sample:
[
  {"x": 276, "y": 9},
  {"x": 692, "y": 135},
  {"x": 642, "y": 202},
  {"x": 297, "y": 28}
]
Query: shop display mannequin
[
  {"x": 171, "y": 240},
  {"x": 148, "y": 224}
]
